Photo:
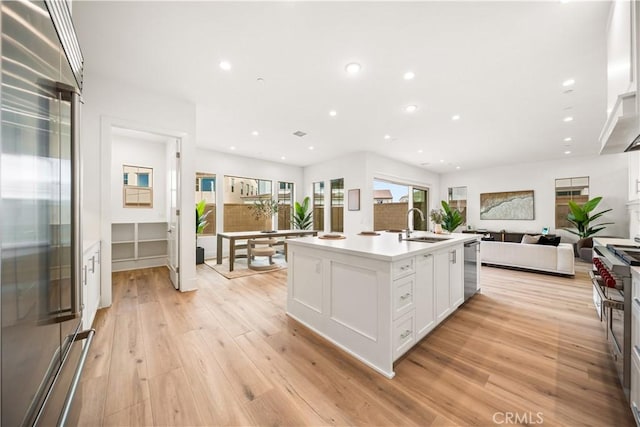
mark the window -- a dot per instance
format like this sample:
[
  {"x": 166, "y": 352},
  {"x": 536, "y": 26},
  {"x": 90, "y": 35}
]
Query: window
[
  {"x": 137, "y": 187},
  {"x": 392, "y": 201},
  {"x": 337, "y": 205},
  {"x": 285, "y": 200},
  {"x": 457, "y": 199},
  {"x": 576, "y": 189},
  {"x": 318, "y": 206},
  {"x": 206, "y": 190},
  {"x": 238, "y": 215}
]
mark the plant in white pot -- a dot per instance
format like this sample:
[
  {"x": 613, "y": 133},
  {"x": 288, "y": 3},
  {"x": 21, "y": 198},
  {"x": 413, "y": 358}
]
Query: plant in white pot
[{"x": 437, "y": 216}]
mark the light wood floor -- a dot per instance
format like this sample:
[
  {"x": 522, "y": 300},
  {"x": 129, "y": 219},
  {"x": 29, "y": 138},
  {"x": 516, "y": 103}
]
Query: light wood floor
[{"x": 530, "y": 345}]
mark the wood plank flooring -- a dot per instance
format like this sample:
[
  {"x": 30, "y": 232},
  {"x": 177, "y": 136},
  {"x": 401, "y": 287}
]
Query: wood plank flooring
[{"x": 529, "y": 345}]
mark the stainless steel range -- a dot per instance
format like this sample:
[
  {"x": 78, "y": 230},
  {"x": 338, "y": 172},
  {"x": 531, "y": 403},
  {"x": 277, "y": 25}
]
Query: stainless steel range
[{"x": 611, "y": 278}]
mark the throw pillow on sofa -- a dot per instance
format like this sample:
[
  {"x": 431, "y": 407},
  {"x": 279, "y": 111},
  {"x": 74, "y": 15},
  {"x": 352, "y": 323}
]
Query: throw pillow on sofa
[
  {"x": 530, "y": 240},
  {"x": 549, "y": 241}
]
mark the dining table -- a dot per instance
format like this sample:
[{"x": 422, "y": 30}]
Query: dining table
[{"x": 234, "y": 236}]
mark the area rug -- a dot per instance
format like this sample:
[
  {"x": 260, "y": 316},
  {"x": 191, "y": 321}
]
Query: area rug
[{"x": 240, "y": 268}]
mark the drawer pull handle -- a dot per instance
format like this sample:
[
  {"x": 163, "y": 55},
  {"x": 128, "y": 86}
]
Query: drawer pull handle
[
  {"x": 405, "y": 334},
  {"x": 405, "y": 296},
  {"x": 636, "y": 301},
  {"x": 405, "y": 267}
]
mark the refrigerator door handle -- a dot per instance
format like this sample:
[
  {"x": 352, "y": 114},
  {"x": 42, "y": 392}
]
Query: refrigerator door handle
[
  {"x": 88, "y": 335},
  {"x": 71, "y": 94}
]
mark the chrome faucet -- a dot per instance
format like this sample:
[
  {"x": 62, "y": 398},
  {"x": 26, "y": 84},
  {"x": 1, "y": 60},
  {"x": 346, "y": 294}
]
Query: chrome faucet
[{"x": 409, "y": 230}]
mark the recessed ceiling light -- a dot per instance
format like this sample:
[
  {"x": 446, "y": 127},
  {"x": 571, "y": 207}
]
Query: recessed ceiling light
[
  {"x": 455, "y": 117},
  {"x": 409, "y": 75},
  {"x": 457, "y": 167},
  {"x": 387, "y": 136},
  {"x": 225, "y": 65},
  {"x": 419, "y": 151},
  {"x": 568, "y": 82},
  {"x": 333, "y": 113},
  {"x": 255, "y": 133},
  {"x": 283, "y": 158},
  {"x": 567, "y": 152},
  {"x": 568, "y": 119},
  {"x": 441, "y": 161},
  {"x": 232, "y": 148},
  {"x": 311, "y": 147},
  {"x": 260, "y": 80},
  {"x": 564, "y": 1},
  {"x": 353, "y": 68},
  {"x": 567, "y": 139},
  {"x": 411, "y": 108}
]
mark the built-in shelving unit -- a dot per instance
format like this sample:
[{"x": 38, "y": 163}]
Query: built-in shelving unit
[{"x": 138, "y": 245}]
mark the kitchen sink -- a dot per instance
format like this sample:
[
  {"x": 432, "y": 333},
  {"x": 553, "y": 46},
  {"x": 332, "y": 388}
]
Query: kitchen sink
[{"x": 427, "y": 239}]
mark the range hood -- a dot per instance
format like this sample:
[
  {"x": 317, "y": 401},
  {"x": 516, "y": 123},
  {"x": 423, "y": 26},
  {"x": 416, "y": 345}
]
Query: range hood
[{"x": 621, "y": 132}]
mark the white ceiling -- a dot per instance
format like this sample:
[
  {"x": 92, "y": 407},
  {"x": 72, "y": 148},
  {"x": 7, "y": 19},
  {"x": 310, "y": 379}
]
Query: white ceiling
[{"x": 499, "y": 65}]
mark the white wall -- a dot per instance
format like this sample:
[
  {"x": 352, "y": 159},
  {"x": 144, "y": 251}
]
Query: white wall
[
  {"x": 359, "y": 170},
  {"x": 221, "y": 164},
  {"x": 607, "y": 178},
  {"x": 110, "y": 103},
  {"x": 134, "y": 152}
]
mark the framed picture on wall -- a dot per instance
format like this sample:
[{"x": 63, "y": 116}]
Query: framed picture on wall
[{"x": 354, "y": 199}]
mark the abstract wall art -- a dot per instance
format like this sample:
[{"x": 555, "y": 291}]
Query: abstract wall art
[{"x": 507, "y": 205}]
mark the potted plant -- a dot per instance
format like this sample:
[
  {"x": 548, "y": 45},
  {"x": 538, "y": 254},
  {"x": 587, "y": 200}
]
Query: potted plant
[
  {"x": 452, "y": 218},
  {"x": 302, "y": 216},
  {"x": 264, "y": 209},
  {"x": 201, "y": 223},
  {"x": 580, "y": 216},
  {"x": 437, "y": 216}
]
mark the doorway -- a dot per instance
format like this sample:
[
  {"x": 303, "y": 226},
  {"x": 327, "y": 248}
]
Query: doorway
[{"x": 144, "y": 200}]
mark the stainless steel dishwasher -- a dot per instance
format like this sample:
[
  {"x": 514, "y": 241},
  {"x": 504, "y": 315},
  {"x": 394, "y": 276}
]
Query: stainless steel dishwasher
[{"x": 471, "y": 270}]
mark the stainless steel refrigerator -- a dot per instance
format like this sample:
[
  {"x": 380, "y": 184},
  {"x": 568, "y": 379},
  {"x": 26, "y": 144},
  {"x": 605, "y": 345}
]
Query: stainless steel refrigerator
[{"x": 42, "y": 347}]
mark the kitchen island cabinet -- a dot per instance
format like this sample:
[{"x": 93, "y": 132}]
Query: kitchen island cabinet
[{"x": 375, "y": 296}]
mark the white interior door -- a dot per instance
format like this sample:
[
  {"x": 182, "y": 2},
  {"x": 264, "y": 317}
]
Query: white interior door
[{"x": 173, "y": 237}]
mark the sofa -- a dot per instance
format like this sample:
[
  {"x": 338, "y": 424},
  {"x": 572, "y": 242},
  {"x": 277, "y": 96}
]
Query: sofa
[{"x": 551, "y": 259}]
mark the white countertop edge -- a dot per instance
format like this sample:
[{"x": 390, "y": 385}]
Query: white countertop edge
[{"x": 374, "y": 246}]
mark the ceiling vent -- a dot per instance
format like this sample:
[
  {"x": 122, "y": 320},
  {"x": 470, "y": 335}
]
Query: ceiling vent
[{"x": 299, "y": 133}]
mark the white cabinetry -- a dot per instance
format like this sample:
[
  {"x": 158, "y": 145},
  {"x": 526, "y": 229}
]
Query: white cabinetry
[
  {"x": 374, "y": 309},
  {"x": 634, "y": 392},
  {"x": 449, "y": 284},
  {"x": 138, "y": 245},
  {"x": 424, "y": 296},
  {"x": 90, "y": 283}
]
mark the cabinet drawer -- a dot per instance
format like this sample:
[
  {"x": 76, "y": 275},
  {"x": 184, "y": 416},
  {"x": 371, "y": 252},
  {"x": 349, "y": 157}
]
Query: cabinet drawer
[
  {"x": 403, "y": 295},
  {"x": 634, "y": 394},
  {"x": 403, "y": 268},
  {"x": 635, "y": 322},
  {"x": 404, "y": 334},
  {"x": 635, "y": 286}
]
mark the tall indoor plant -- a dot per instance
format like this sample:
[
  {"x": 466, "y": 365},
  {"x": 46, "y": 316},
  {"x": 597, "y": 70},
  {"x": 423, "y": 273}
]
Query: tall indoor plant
[
  {"x": 452, "y": 218},
  {"x": 201, "y": 223},
  {"x": 302, "y": 215},
  {"x": 582, "y": 218}
]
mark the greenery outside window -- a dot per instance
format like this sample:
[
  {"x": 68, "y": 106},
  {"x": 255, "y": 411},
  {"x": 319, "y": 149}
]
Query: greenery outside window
[
  {"x": 285, "y": 200},
  {"x": 576, "y": 189}
]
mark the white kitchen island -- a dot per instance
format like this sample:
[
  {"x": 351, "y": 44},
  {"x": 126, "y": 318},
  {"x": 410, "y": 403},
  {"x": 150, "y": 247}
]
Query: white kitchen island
[{"x": 375, "y": 296}]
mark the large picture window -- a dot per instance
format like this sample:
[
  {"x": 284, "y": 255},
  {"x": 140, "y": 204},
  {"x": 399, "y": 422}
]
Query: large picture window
[
  {"x": 318, "y": 206},
  {"x": 337, "y": 205},
  {"x": 206, "y": 190},
  {"x": 576, "y": 189},
  {"x": 238, "y": 215},
  {"x": 457, "y": 199},
  {"x": 285, "y": 202},
  {"x": 392, "y": 201}
]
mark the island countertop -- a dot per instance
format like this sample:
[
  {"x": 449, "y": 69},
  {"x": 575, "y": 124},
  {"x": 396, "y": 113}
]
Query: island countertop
[{"x": 386, "y": 246}]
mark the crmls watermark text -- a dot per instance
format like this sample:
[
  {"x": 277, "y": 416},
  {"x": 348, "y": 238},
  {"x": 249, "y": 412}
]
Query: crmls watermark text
[{"x": 518, "y": 418}]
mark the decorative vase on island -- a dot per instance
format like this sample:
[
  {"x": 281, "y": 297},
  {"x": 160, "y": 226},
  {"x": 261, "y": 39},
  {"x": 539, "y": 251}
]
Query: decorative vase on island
[{"x": 437, "y": 228}]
